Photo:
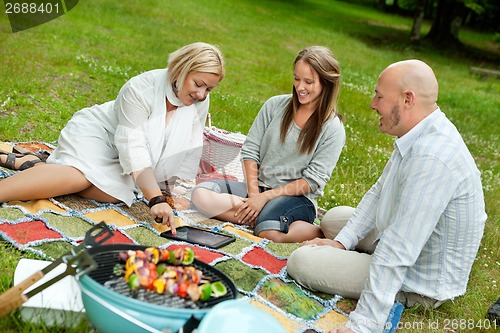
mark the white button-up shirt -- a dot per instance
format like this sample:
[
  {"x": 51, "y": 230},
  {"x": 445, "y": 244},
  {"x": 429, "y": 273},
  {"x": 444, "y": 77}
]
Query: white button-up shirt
[{"x": 428, "y": 208}]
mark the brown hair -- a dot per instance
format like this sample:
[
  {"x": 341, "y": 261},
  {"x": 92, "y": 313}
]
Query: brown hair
[{"x": 322, "y": 61}]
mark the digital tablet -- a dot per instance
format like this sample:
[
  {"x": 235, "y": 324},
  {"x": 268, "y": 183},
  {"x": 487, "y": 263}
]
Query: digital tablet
[{"x": 199, "y": 236}]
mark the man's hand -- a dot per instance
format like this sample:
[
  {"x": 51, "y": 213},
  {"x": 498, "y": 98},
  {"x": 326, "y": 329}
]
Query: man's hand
[{"x": 323, "y": 241}]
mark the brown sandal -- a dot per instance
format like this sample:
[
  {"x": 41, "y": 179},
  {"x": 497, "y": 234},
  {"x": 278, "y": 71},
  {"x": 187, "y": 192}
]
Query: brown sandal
[
  {"x": 11, "y": 161},
  {"x": 41, "y": 154}
]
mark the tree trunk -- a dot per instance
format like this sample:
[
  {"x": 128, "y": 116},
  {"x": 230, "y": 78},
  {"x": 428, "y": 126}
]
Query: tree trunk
[
  {"x": 447, "y": 23},
  {"x": 429, "y": 9},
  {"x": 418, "y": 19},
  {"x": 381, "y": 4},
  {"x": 455, "y": 26},
  {"x": 394, "y": 8}
]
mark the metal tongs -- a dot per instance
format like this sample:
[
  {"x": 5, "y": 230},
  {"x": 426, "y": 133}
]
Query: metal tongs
[{"x": 78, "y": 262}]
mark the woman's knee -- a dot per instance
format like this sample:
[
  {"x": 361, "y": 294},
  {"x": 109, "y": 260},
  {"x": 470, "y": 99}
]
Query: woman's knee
[
  {"x": 197, "y": 195},
  {"x": 200, "y": 198}
]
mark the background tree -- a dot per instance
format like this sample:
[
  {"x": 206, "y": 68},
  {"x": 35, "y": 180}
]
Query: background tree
[
  {"x": 447, "y": 22},
  {"x": 418, "y": 19},
  {"x": 448, "y": 17}
]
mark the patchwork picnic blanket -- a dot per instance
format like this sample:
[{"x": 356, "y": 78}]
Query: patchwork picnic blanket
[{"x": 51, "y": 227}]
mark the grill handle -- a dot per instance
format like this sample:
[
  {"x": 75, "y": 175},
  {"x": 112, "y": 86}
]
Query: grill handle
[
  {"x": 76, "y": 265},
  {"x": 14, "y": 297},
  {"x": 78, "y": 256}
]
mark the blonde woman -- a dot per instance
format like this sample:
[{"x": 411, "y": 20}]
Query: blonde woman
[{"x": 150, "y": 134}]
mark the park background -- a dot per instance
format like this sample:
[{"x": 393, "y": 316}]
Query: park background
[{"x": 84, "y": 57}]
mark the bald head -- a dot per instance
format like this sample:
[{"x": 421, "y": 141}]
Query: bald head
[
  {"x": 406, "y": 92},
  {"x": 417, "y": 76}
]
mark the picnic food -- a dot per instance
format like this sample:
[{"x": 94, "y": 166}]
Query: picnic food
[{"x": 167, "y": 272}]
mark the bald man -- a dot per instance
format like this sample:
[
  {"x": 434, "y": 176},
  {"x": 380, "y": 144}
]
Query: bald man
[{"x": 415, "y": 234}]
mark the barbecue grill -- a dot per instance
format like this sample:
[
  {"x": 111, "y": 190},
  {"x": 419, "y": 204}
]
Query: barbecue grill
[{"x": 112, "y": 307}]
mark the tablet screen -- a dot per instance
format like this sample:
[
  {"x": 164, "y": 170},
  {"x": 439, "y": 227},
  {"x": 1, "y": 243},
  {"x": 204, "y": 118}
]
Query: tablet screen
[{"x": 199, "y": 236}]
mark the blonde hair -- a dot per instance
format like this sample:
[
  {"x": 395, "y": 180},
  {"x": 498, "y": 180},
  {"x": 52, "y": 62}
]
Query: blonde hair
[
  {"x": 320, "y": 59},
  {"x": 196, "y": 57}
]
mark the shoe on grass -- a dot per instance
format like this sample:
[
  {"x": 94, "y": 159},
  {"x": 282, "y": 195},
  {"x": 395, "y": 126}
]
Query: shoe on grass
[{"x": 494, "y": 312}]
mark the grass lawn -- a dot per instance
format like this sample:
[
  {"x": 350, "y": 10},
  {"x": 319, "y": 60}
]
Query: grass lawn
[{"x": 84, "y": 57}]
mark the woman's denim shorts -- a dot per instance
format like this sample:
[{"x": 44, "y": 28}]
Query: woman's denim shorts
[{"x": 277, "y": 214}]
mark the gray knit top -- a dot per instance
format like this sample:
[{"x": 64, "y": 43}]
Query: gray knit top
[{"x": 280, "y": 164}]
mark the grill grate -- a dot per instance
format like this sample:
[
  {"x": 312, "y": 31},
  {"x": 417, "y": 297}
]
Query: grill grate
[
  {"x": 107, "y": 259},
  {"x": 120, "y": 286}
]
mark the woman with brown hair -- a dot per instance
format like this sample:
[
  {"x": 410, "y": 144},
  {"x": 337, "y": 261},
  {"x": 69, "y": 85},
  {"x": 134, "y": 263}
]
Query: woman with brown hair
[{"x": 288, "y": 157}]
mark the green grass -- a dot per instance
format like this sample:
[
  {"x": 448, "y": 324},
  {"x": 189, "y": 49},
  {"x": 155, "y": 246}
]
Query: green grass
[{"x": 84, "y": 57}]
